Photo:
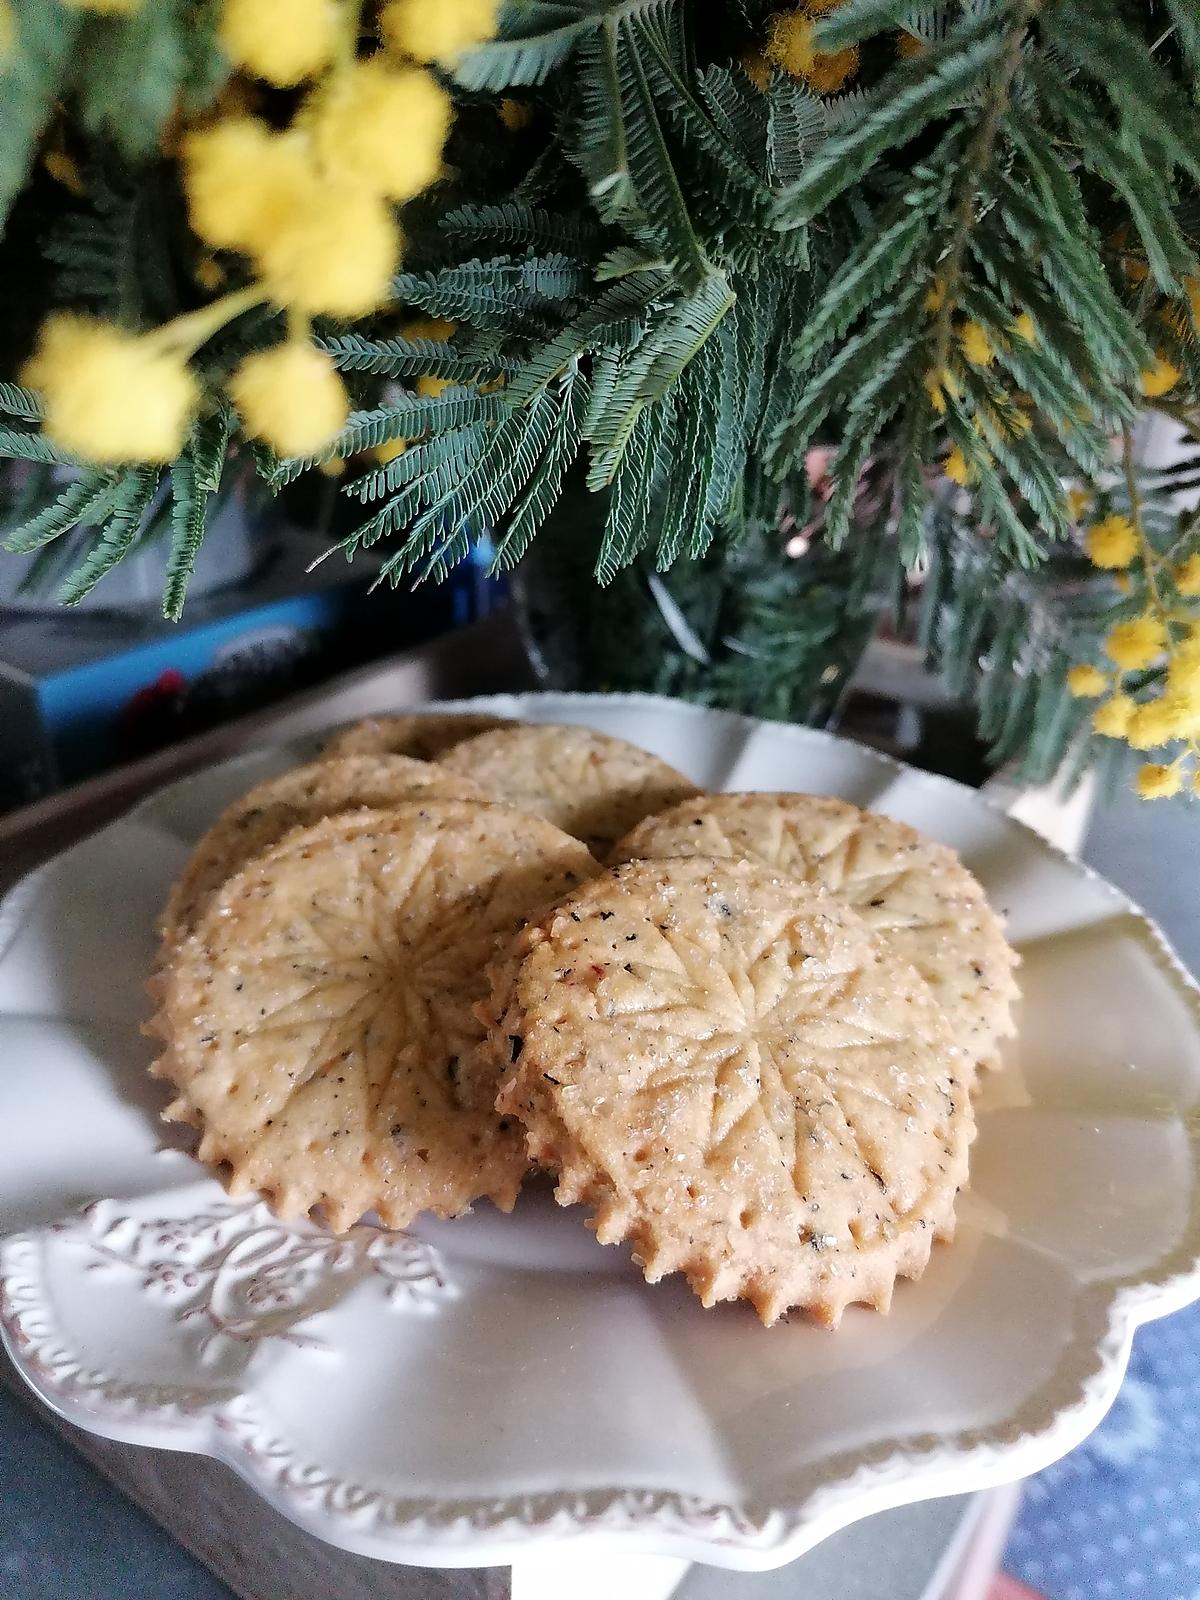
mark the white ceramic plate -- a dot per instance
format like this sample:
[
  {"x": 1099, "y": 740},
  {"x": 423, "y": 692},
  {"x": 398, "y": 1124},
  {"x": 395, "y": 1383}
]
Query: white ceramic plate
[{"x": 461, "y": 1394}]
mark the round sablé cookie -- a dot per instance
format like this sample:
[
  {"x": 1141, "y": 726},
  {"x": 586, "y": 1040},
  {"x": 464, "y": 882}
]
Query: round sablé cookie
[
  {"x": 303, "y": 795},
  {"x": 914, "y": 893},
  {"x": 586, "y": 783},
  {"x": 319, "y": 1026},
  {"x": 423, "y": 735},
  {"x": 735, "y": 1076}
]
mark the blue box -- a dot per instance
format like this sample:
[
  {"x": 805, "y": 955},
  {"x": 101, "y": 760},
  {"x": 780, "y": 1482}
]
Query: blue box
[{"x": 82, "y": 692}]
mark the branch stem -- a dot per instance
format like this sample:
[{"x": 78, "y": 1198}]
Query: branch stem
[{"x": 187, "y": 333}]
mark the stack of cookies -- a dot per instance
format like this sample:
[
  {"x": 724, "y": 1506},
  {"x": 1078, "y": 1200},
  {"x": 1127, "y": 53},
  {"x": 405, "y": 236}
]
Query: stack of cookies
[{"x": 741, "y": 1030}]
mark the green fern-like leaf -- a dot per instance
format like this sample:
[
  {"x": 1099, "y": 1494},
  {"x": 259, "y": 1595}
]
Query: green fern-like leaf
[
  {"x": 1114, "y": 341},
  {"x": 739, "y": 112},
  {"x": 544, "y": 488},
  {"x": 410, "y": 358},
  {"x": 86, "y": 500},
  {"x": 1140, "y": 90},
  {"x": 131, "y": 498},
  {"x": 861, "y": 367},
  {"x": 503, "y": 293},
  {"x": 652, "y": 367},
  {"x": 856, "y": 20},
  {"x": 873, "y": 268},
  {"x": 636, "y": 486},
  {"x": 18, "y": 446},
  {"x": 18, "y": 402},
  {"x": 442, "y": 459},
  {"x": 188, "y": 521},
  {"x": 682, "y": 525},
  {"x": 1123, "y": 161},
  {"x": 656, "y": 183},
  {"x": 1186, "y": 21},
  {"x": 923, "y": 89},
  {"x": 410, "y": 416},
  {"x": 797, "y": 124},
  {"x": 514, "y": 225},
  {"x": 534, "y": 38},
  {"x": 614, "y": 318}
]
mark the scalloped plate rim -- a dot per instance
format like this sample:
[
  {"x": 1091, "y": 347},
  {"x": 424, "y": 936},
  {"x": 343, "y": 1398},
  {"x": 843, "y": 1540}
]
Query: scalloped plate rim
[{"x": 496, "y": 1530}]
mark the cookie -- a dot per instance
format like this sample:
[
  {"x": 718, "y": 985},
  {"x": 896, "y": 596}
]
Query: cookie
[
  {"x": 586, "y": 783},
  {"x": 269, "y": 811},
  {"x": 733, "y": 1074},
  {"x": 422, "y": 735},
  {"x": 914, "y": 893},
  {"x": 318, "y": 1025}
]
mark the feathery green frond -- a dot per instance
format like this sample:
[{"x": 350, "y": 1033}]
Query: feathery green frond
[
  {"x": 123, "y": 525},
  {"x": 18, "y": 402},
  {"x": 933, "y": 83},
  {"x": 84, "y": 501},
  {"x": 503, "y": 293}
]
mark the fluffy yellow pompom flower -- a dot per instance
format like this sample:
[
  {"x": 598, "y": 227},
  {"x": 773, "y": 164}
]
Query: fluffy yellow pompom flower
[
  {"x": 935, "y": 296},
  {"x": 939, "y": 385},
  {"x": 1025, "y": 328},
  {"x": 1181, "y": 717},
  {"x": 1112, "y": 718},
  {"x": 437, "y": 30},
  {"x": 958, "y": 468},
  {"x": 335, "y": 257},
  {"x": 1017, "y": 423},
  {"x": 1156, "y": 380},
  {"x": 58, "y": 163},
  {"x": 283, "y": 41},
  {"x": 976, "y": 345},
  {"x": 290, "y": 396},
  {"x": 1152, "y": 724},
  {"x": 431, "y": 388},
  {"x": 242, "y": 180},
  {"x": 790, "y": 43},
  {"x": 514, "y": 114},
  {"x": 757, "y": 68},
  {"x": 1187, "y": 576},
  {"x": 1078, "y": 501},
  {"x": 384, "y": 126},
  {"x": 1085, "y": 683},
  {"x": 1155, "y": 782},
  {"x": 209, "y": 274},
  {"x": 439, "y": 329},
  {"x": 832, "y": 70},
  {"x": 110, "y": 396},
  {"x": 790, "y": 47},
  {"x": 1136, "y": 644},
  {"x": 389, "y": 450},
  {"x": 1183, "y": 676},
  {"x": 1112, "y": 542}
]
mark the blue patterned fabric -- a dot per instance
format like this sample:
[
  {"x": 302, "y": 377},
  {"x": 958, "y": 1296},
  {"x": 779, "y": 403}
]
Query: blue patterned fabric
[{"x": 1119, "y": 1518}]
